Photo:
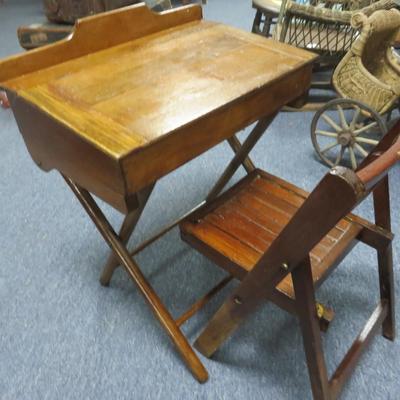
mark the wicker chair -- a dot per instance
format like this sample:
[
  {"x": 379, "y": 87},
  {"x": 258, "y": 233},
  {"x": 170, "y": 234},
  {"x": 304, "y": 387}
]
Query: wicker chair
[
  {"x": 369, "y": 72},
  {"x": 367, "y": 80},
  {"x": 322, "y": 26},
  {"x": 267, "y": 12}
]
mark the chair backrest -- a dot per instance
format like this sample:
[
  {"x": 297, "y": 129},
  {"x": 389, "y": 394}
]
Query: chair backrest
[
  {"x": 323, "y": 26},
  {"x": 337, "y": 194},
  {"x": 377, "y": 35},
  {"x": 316, "y": 27}
]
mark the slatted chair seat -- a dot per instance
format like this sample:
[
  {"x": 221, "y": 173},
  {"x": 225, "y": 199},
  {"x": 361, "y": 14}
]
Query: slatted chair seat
[
  {"x": 281, "y": 243},
  {"x": 239, "y": 227}
]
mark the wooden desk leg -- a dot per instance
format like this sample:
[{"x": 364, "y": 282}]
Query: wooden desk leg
[
  {"x": 124, "y": 257},
  {"x": 131, "y": 220},
  {"x": 386, "y": 282},
  {"x": 235, "y": 144},
  {"x": 241, "y": 155},
  {"x": 127, "y": 228}
]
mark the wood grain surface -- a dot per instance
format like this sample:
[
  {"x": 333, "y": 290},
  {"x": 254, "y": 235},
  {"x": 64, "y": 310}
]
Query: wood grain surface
[
  {"x": 247, "y": 220},
  {"x": 150, "y": 99}
]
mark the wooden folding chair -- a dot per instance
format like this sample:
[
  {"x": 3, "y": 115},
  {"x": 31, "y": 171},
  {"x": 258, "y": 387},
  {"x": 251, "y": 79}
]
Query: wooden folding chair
[{"x": 283, "y": 243}]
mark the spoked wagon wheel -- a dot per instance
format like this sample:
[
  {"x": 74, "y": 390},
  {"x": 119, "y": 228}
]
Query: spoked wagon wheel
[{"x": 344, "y": 131}]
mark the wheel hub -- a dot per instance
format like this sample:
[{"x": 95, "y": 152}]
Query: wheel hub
[{"x": 345, "y": 138}]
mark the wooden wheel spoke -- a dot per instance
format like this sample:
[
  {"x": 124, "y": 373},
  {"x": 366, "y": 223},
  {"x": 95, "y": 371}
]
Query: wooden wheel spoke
[
  {"x": 331, "y": 146},
  {"x": 332, "y": 123},
  {"x": 353, "y": 158},
  {"x": 326, "y": 133},
  {"x": 361, "y": 150},
  {"x": 367, "y": 141},
  {"x": 342, "y": 117},
  {"x": 355, "y": 118},
  {"x": 339, "y": 156},
  {"x": 365, "y": 128}
]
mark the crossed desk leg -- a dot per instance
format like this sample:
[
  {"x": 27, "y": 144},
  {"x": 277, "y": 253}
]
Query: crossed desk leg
[
  {"x": 131, "y": 220},
  {"x": 125, "y": 233},
  {"x": 121, "y": 256}
]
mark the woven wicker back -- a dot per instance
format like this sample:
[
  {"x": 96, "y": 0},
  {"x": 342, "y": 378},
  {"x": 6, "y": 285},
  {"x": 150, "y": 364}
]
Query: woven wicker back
[
  {"x": 323, "y": 26},
  {"x": 369, "y": 72}
]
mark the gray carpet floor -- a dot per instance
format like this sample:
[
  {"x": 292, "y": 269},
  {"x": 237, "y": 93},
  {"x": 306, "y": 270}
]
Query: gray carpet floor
[{"x": 63, "y": 336}]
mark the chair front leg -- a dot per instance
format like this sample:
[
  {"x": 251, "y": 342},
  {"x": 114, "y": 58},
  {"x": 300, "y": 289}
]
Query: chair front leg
[
  {"x": 386, "y": 284},
  {"x": 309, "y": 322},
  {"x": 385, "y": 257}
]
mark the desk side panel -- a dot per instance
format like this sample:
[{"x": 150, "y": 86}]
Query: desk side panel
[
  {"x": 96, "y": 33},
  {"x": 147, "y": 164},
  {"x": 53, "y": 146}
]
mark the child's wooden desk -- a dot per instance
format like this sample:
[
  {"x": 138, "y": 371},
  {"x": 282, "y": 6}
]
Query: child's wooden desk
[{"x": 133, "y": 95}]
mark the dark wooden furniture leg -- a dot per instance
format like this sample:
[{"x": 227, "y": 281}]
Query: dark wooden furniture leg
[
  {"x": 235, "y": 144},
  {"x": 124, "y": 257},
  {"x": 307, "y": 314},
  {"x": 257, "y": 22},
  {"x": 241, "y": 155},
  {"x": 125, "y": 233},
  {"x": 385, "y": 257}
]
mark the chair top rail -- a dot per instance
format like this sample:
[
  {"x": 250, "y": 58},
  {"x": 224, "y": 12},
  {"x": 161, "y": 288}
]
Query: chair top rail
[{"x": 381, "y": 159}]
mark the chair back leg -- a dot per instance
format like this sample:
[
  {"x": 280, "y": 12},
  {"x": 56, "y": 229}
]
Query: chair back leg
[{"x": 307, "y": 314}]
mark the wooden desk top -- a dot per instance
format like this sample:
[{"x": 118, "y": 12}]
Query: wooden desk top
[{"x": 134, "y": 95}]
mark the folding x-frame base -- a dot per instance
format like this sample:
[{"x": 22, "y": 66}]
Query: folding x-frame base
[{"x": 120, "y": 255}]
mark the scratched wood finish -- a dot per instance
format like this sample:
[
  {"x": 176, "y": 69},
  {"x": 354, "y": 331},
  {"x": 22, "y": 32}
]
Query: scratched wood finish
[
  {"x": 248, "y": 220},
  {"x": 148, "y": 99}
]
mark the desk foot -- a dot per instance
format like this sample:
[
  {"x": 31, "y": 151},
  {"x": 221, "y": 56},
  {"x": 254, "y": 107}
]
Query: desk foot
[{"x": 106, "y": 276}]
